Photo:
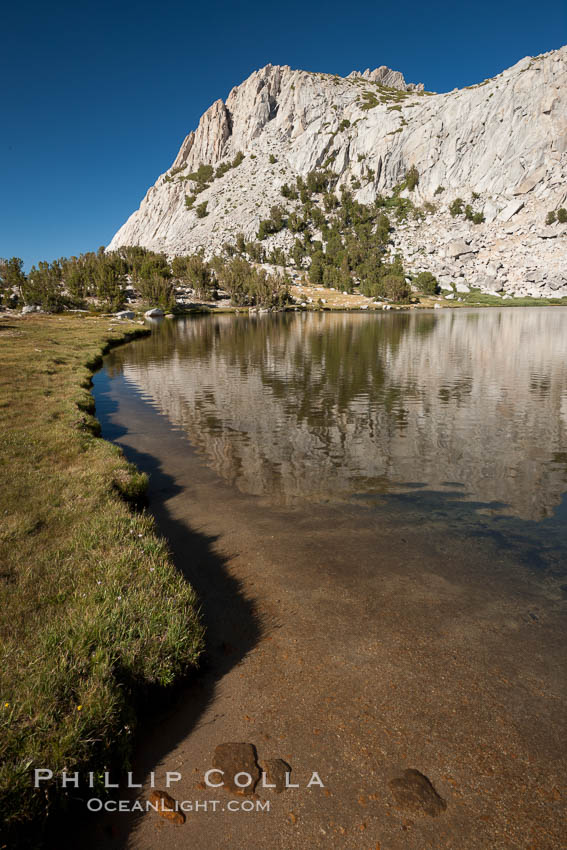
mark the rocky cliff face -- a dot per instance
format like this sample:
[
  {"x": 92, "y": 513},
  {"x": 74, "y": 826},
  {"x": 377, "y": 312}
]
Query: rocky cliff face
[{"x": 505, "y": 140}]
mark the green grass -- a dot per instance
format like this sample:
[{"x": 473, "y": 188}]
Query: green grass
[
  {"x": 475, "y": 296},
  {"x": 93, "y": 612}
]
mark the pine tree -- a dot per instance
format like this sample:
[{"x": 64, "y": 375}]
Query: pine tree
[{"x": 12, "y": 278}]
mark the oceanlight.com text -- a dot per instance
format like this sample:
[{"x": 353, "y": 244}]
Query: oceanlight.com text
[{"x": 95, "y": 804}]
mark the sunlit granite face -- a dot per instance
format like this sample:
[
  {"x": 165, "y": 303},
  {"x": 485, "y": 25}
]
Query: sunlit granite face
[{"x": 321, "y": 407}]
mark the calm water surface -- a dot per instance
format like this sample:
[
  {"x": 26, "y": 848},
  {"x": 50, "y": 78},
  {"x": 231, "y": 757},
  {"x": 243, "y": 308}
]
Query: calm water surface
[{"x": 455, "y": 415}]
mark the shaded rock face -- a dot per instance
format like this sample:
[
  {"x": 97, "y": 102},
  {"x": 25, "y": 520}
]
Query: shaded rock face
[{"x": 504, "y": 139}]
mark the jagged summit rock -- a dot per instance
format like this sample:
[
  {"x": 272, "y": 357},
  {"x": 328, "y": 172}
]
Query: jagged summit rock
[
  {"x": 386, "y": 77},
  {"x": 505, "y": 140}
]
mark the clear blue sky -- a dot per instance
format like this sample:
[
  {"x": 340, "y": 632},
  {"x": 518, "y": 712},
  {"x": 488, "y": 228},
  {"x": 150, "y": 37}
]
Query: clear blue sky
[{"x": 96, "y": 97}]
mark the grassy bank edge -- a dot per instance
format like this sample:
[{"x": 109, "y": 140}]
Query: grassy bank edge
[{"x": 95, "y": 615}]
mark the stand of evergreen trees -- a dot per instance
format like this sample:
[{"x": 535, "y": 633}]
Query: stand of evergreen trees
[
  {"x": 339, "y": 241},
  {"x": 100, "y": 281}
]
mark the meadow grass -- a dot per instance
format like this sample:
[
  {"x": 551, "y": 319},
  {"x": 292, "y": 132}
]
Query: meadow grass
[
  {"x": 93, "y": 612},
  {"x": 476, "y": 297}
]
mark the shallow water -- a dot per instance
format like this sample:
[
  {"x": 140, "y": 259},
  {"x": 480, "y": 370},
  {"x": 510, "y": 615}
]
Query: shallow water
[{"x": 459, "y": 415}]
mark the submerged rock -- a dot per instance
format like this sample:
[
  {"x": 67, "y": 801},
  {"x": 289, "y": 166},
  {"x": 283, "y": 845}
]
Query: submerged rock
[
  {"x": 276, "y": 771},
  {"x": 166, "y": 806},
  {"x": 415, "y": 792},
  {"x": 235, "y": 761}
]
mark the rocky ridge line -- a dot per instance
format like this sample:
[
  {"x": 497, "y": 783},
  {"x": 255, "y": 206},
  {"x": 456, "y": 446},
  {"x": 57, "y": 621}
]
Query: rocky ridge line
[{"x": 505, "y": 140}]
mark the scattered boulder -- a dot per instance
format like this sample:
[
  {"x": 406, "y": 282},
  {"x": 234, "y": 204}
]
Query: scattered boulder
[
  {"x": 510, "y": 210},
  {"x": 529, "y": 182},
  {"x": 489, "y": 211},
  {"x": 490, "y": 284},
  {"x": 535, "y": 276},
  {"x": 458, "y": 247},
  {"x": 155, "y": 313},
  {"x": 413, "y": 791},
  {"x": 125, "y": 314}
]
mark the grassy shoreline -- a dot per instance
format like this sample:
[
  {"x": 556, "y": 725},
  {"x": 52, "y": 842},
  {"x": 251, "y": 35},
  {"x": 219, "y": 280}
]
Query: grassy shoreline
[
  {"x": 425, "y": 303},
  {"x": 94, "y": 613}
]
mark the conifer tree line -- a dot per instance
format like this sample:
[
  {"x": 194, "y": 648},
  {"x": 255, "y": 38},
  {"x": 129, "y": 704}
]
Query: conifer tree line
[{"x": 71, "y": 282}]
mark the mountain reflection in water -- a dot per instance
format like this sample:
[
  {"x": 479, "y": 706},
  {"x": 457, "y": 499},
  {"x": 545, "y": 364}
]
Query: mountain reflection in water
[{"x": 324, "y": 406}]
